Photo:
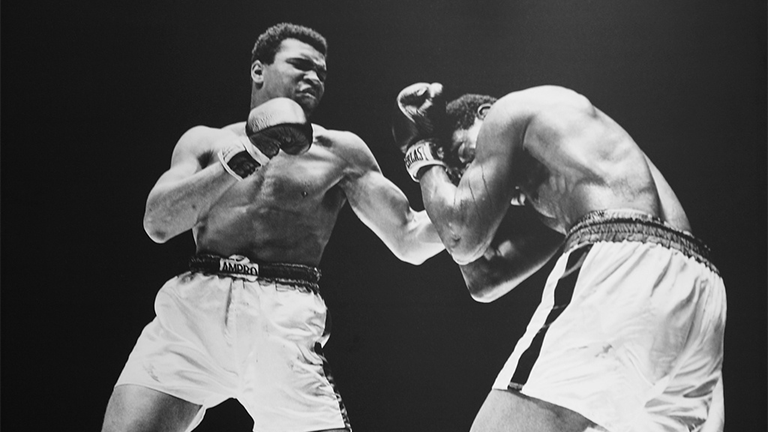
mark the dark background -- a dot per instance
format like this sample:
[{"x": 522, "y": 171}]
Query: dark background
[{"x": 96, "y": 93}]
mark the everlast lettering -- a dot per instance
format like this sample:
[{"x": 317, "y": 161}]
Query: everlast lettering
[{"x": 417, "y": 154}]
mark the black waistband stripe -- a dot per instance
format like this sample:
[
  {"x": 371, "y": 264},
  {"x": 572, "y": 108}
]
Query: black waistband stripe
[
  {"x": 620, "y": 226},
  {"x": 290, "y": 273}
]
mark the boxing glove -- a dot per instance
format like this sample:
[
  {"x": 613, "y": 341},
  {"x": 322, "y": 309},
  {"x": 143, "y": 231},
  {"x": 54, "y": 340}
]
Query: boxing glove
[
  {"x": 423, "y": 154},
  {"x": 241, "y": 158},
  {"x": 419, "y": 114},
  {"x": 279, "y": 124}
]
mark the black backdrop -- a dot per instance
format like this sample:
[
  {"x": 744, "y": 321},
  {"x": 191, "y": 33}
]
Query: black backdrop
[{"x": 96, "y": 93}]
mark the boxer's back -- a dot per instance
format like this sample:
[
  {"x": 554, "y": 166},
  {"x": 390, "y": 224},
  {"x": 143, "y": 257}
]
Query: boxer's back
[{"x": 581, "y": 161}]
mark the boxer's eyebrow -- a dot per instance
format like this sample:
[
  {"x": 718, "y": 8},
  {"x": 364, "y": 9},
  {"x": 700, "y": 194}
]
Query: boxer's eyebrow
[{"x": 306, "y": 63}]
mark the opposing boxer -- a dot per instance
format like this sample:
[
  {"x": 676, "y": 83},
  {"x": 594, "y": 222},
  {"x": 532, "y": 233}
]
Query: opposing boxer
[
  {"x": 629, "y": 332},
  {"x": 261, "y": 198}
]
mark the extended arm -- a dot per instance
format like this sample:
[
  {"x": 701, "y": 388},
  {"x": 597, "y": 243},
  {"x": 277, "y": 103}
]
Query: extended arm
[{"x": 384, "y": 208}]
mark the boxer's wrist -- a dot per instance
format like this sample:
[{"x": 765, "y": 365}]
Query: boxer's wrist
[
  {"x": 241, "y": 160},
  {"x": 421, "y": 156}
]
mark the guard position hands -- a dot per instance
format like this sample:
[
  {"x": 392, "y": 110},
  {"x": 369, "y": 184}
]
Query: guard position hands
[{"x": 278, "y": 124}]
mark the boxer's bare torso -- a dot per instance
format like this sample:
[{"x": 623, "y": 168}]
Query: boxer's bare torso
[
  {"x": 285, "y": 212},
  {"x": 549, "y": 149},
  {"x": 278, "y": 209},
  {"x": 566, "y": 159},
  {"x": 575, "y": 159}
]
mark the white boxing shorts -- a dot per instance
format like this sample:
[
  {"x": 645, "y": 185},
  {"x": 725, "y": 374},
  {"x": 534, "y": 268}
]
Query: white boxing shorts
[
  {"x": 235, "y": 329},
  {"x": 629, "y": 332}
]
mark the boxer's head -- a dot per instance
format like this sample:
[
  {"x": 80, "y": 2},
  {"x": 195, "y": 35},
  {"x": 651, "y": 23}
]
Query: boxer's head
[
  {"x": 288, "y": 60},
  {"x": 465, "y": 117}
]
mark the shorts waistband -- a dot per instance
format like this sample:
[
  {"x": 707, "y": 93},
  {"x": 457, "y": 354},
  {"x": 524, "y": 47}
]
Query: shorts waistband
[
  {"x": 240, "y": 265},
  {"x": 618, "y": 226}
]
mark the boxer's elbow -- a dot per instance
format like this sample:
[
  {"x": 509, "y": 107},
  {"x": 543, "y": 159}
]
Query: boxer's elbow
[
  {"x": 159, "y": 237},
  {"x": 487, "y": 288},
  {"x": 155, "y": 231},
  {"x": 413, "y": 260},
  {"x": 153, "y": 220},
  {"x": 464, "y": 250},
  {"x": 416, "y": 241},
  {"x": 483, "y": 295},
  {"x": 410, "y": 254},
  {"x": 462, "y": 242},
  {"x": 158, "y": 225}
]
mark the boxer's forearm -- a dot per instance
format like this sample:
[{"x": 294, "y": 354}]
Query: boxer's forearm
[
  {"x": 456, "y": 220},
  {"x": 175, "y": 205},
  {"x": 385, "y": 209}
]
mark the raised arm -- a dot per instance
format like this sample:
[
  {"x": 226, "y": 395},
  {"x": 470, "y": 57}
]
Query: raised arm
[
  {"x": 206, "y": 162},
  {"x": 497, "y": 245},
  {"x": 194, "y": 181},
  {"x": 467, "y": 215},
  {"x": 383, "y": 207}
]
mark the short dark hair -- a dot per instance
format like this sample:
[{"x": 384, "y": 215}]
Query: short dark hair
[
  {"x": 462, "y": 111},
  {"x": 269, "y": 42}
]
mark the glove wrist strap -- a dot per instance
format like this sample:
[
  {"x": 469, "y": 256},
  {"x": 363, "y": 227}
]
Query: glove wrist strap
[
  {"x": 241, "y": 160},
  {"x": 420, "y": 156}
]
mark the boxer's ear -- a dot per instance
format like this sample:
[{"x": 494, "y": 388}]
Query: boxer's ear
[
  {"x": 257, "y": 72},
  {"x": 482, "y": 110}
]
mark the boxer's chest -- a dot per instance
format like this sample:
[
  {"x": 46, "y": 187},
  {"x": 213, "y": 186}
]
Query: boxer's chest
[{"x": 289, "y": 182}]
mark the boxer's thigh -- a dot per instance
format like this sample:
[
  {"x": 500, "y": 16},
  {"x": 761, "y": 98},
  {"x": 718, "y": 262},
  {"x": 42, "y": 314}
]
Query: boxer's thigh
[
  {"x": 505, "y": 411},
  {"x": 134, "y": 408}
]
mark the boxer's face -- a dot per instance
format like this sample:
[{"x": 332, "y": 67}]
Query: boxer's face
[
  {"x": 464, "y": 141},
  {"x": 298, "y": 72}
]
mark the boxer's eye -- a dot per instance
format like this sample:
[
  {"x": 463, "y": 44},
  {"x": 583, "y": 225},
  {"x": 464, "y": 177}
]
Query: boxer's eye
[
  {"x": 322, "y": 74},
  {"x": 307, "y": 65},
  {"x": 466, "y": 153}
]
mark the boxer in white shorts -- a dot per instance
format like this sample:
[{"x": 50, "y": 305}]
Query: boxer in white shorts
[
  {"x": 222, "y": 332},
  {"x": 629, "y": 334},
  {"x": 270, "y": 189}
]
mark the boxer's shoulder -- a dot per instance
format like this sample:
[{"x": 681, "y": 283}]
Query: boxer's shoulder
[
  {"x": 337, "y": 139},
  {"x": 348, "y": 148},
  {"x": 200, "y": 139}
]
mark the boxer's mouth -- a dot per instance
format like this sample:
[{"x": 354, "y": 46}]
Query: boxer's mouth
[{"x": 309, "y": 91}]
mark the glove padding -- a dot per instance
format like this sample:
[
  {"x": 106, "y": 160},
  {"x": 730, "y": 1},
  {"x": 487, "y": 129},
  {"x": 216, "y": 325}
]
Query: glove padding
[
  {"x": 241, "y": 159},
  {"x": 279, "y": 124},
  {"x": 423, "y": 154},
  {"x": 419, "y": 114}
]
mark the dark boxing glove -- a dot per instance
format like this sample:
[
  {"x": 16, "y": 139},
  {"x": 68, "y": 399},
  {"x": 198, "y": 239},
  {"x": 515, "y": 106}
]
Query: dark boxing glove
[
  {"x": 241, "y": 159},
  {"x": 419, "y": 114},
  {"x": 279, "y": 124}
]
